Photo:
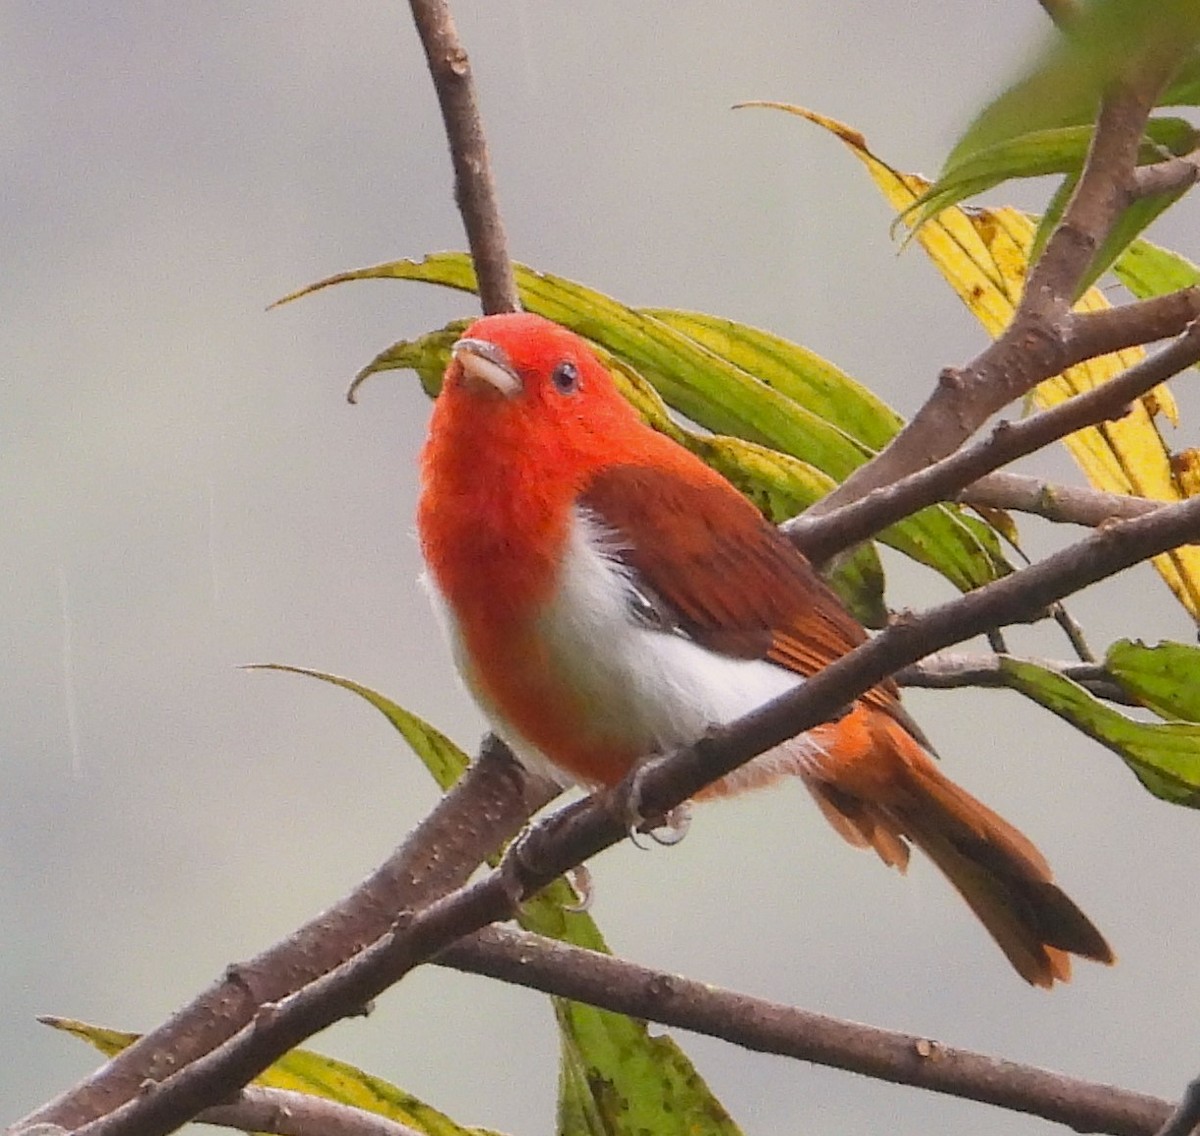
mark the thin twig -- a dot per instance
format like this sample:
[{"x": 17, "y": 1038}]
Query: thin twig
[
  {"x": 1065, "y": 504},
  {"x": 474, "y": 186},
  {"x": 1186, "y": 1117},
  {"x": 769, "y": 1027},
  {"x": 953, "y": 670},
  {"x": 1074, "y": 633},
  {"x": 287, "y": 1113},
  {"x": 579, "y": 831},
  {"x": 1171, "y": 176}
]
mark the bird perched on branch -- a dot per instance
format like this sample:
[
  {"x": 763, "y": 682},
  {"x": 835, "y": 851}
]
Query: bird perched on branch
[{"x": 608, "y": 596}]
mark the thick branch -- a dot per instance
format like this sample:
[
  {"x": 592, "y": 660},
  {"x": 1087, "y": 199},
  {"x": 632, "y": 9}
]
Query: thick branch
[
  {"x": 1008, "y": 441},
  {"x": 474, "y": 187},
  {"x": 581, "y": 830},
  {"x": 768, "y": 1027}
]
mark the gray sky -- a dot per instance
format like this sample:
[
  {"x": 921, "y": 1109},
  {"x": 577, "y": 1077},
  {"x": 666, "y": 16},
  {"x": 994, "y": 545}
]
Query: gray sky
[{"x": 184, "y": 490}]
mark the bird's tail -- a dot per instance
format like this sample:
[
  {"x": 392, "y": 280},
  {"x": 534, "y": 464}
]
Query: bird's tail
[{"x": 883, "y": 791}]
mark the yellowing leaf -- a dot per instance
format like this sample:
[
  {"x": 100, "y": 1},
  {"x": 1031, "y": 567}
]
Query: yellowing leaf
[
  {"x": 303, "y": 1071},
  {"x": 984, "y": 256}
]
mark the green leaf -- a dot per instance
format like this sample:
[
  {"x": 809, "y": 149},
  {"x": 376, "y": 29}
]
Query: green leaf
[
  {"x": 799, "y": 374},
  {"x": 714, "y": 392},
  {"x": 1107, "y": 38},
  {"x": 441, "y": 756},
  {"x": 614, "y": 1077},
  {"x": 306, "y": 1072},
  {"x": 1165, "y": 756},
  {"x": 1036, "y": 153},
  {"x": 1184, "y": 88},
  {"x": 656, "y": 1089},
  {"x": 1165, "y": 677},
  {"x": 1049, "y": 219},
  {"x": 1148, "y": 270},
  {"x": 1136, "y": 218}
]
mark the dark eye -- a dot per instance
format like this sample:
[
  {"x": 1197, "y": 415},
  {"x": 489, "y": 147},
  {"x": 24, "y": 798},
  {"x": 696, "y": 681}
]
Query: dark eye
[{"x": 565, "y": 377}]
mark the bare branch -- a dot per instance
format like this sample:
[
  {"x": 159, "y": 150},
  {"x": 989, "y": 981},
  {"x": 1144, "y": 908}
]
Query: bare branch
[
  {"x": 287, "y": 1113},
  {"x": 951, "y": 671},
  {"x": 474, "y": 187},
  {"x": 769, "y": 1027},
  {"x": 1171, "y": 176},
  {"x": 822, "y": 535},
  {"x": 1089, "y": 334},
  {"x": 1066, "y": 504},
  {"x": 579, "y": 831},
  {"x": 489, "y": 804}
]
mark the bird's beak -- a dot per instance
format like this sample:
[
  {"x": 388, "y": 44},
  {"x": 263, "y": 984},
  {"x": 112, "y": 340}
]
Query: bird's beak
[{"x": 486, "y": 365}]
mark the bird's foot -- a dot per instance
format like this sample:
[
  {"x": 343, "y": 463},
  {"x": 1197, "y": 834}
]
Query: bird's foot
[{"x": 663, "y": 830}]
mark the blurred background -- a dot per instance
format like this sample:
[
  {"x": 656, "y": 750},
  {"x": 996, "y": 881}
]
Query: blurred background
[{"x": 184, "y": 489}]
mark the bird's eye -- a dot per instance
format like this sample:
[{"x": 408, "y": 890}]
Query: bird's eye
[{"x": 565, "y": 377}]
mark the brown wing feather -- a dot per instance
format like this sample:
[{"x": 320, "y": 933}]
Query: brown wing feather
[{"x": 731, "y": 581}]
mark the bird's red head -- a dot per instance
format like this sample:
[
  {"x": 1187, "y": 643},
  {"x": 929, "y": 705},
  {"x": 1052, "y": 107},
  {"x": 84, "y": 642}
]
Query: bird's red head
[{"x": 519, "y": 384}]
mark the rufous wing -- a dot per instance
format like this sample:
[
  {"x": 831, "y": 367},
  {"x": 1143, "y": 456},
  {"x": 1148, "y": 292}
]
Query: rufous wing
[{"x": 727, "y": 576}]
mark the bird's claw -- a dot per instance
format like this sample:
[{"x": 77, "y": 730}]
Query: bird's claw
[
  {"x": 580, "y": 880},
  {"x": 663, "y": 830}
]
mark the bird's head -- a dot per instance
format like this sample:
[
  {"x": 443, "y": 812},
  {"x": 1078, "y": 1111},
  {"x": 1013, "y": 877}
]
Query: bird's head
[{"x": 521, "y": 382}]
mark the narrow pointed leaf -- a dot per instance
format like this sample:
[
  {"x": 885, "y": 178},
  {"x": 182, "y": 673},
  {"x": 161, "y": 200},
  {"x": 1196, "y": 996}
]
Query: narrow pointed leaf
[
  {"x": 1165, "y": 756},
  {"x": 1165, "y": 677},
  {"x": 1063, "y": 88},
  {"x": 714, "y": 392},
  {"x": 1184, "y": 88},
  {"x": 444, "y": 760},
  {"x": 984, "y": 256},
  {"x": 1036, "y": 153},
  {"x": 1148, "y": 270},
  {"x": 306, "y": 1072},
  {"x": 796, "y": 372}
]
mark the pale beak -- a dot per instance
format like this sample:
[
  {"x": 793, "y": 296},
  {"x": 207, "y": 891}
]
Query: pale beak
[{"x": 485, "y": 363}]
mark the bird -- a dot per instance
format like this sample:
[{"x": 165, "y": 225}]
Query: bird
[{"x": 607, "y": 597}]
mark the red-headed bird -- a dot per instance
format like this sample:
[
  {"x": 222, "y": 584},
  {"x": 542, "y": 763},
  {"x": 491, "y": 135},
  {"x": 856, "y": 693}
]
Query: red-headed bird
[{"x": 608, "y": 597}]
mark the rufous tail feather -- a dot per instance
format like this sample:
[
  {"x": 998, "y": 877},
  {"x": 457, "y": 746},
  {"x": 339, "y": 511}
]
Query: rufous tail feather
[{"x": 997, "y": 870}]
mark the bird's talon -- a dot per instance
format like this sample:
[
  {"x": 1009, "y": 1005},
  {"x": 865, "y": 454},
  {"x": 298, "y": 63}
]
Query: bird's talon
[
  {"x": 580, "y": 879},
  {"x": 674, "y": 826}
]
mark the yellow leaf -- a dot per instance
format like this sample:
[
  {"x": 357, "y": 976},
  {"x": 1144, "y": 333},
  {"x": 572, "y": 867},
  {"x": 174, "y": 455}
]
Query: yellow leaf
[{"x": 984, "y": 256}]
